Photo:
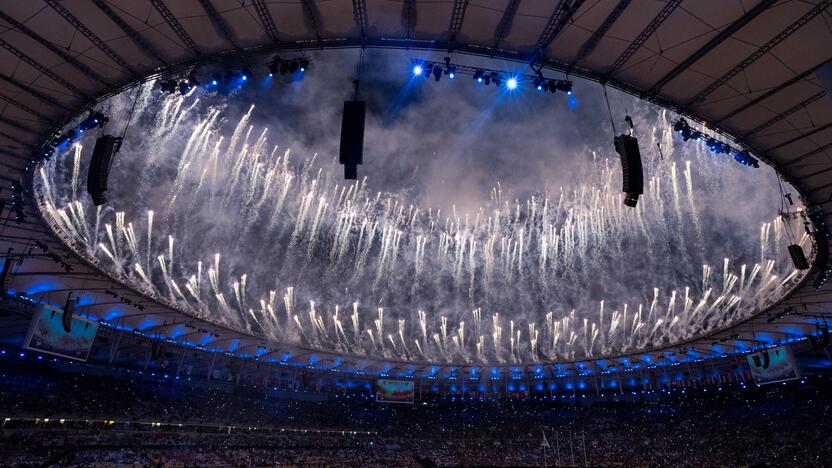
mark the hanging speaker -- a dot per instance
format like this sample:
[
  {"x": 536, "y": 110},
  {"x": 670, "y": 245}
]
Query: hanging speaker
[
  {"x": 105, "y": 149},
  {"x": 798, "y": 257},
  {"x": 627, "y": 148},
  {"x": 69, "y": 309},
  {"x": 4, "y": 276},
  {"x": 352, "y": 138}
]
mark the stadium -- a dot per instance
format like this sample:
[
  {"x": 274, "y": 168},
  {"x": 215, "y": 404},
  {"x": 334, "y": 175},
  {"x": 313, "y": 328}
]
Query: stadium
[{"x": 412, "y": 233}]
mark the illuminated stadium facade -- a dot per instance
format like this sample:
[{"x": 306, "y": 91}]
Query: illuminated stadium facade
[{"x": 711, "y": 75}]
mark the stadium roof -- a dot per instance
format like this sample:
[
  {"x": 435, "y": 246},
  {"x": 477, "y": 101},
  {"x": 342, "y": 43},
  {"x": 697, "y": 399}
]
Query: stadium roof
[{"x": 750, "y": 69}]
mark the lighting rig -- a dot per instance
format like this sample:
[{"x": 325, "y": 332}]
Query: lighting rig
[
  {"x": 17, "y": 203},
  {"x": 511, "y": 81},
  {"x": 232, "y": 79},
  {"x": 717, "y": 147},
  {"x": 286, "y": 67},
  {"x": 61, "y": 142}
]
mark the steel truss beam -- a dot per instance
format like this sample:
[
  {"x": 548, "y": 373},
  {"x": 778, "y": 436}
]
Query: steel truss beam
[
  {"x": 504, "y": 26},
  {"x": 28, "y": 89},
  {"x": 218, "y": 21},
  {"x": 55, "y": 50},
  {"x": 134, "y": 35},
  {"x": 457, "y": 17},
  {"x": 713, "y": 43},
  {"x": 267, "y": 21},
  {"x": 314, "y": 17},
  {"x": 556, "y": 24},
  {"x": 801, "y": 137},
  {"x": 645, "y": 34},
  {"x": 771, "y": 92},
  {"x": 596, "y": 37},
  {"x": 785, "y": 33},
  {"x": 783, "y": 115},
  {"x": 91, "y": 36},
  {"x": 19, "y": 126},
  {"x": 15, "y": 140},
  {"x": 176, "y": 26},
  {"x": 359, "y": 15},
  {"x": 22, "y": 56},
  {"x": 26, "y": 108},
  {"x": 408, "y": 18}
]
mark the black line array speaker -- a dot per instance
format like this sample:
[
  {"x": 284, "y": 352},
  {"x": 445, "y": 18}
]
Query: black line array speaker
[
  {"x": 627, "y": 148},
  {"x": 352, "y": 138},
  {"x": 4, "y": 275},
  {"x": 105, "y": 149},
  {"x": 69, "y": 309},
  {"x": 798, "y": 257}
]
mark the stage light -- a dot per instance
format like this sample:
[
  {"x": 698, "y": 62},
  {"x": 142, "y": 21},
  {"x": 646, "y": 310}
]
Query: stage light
[
  {"x": 304, "y": 64},
  {"x": 451, "y": 72},
  {"x": 565, "y": 86},
  {"x": 437, "y": 73},
  {"x": 478, "y": 75},
  {"x": 495, "y": 78},
  {"x": 511, "y": 83},
  {"x": 168, "y": 86},
  {"x": 417, "y": 70}
]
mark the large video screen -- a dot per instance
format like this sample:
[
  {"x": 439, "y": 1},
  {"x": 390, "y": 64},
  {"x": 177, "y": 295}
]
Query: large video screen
[
  {"x": 773, "y": 365},
  {"x": 46, "y": 334},
  {"x": 394, "y": 391}
]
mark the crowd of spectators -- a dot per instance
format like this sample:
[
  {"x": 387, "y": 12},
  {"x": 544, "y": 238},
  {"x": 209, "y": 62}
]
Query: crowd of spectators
[{"x": 140, "y": 421}]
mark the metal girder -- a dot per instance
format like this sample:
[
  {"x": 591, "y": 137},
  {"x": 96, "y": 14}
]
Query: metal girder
[
  {"x": 176, "y": 26},
  {"x": 784, "y": 114},
  {"x": 808, "y": 154},
  {"x": 818, "y": 9},
  {"x": 817, "y": 173},
  {"x": 314, "y": 17},
  {"x": 26, "y": 108},
  {"x": 66, "y": 84},
  {"x": 645, "y": 34},
  {"x": 504, "y": 26},
  {"x": 801, "y": 136},
  {"x": 218, "y": 21},
  {"x": 20, "y": 142},
  {"x": 557, "y": 22},
  {"x": 771, "y": 92},
  {"x": 28, "y": 89},
  {"x": 19, "y": 126},
  {"x": 408, "y": 18},
  {"x": 266, "y": 19},
  {"x": 91, "y": 36},
  {"x": 593, "y": 40},
  {"x": 55, "y": 50},
  {"x": 713, "y": 43},
  {"x": 457, "y": 17},
  {"x": 134, "y": 35},
  {"x": 359, "y": 15}
]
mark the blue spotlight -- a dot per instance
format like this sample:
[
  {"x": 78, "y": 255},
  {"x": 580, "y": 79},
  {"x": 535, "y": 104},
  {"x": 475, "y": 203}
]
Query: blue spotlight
[
  {"x": 451, "y": 75},
  {"x": 511, "y": 83},
  {"x": 417, "y": 70},
  {"x": 244, "y": 77}
]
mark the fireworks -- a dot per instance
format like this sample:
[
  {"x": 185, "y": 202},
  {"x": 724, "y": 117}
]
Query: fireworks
[{"x": 237, "y": 223}]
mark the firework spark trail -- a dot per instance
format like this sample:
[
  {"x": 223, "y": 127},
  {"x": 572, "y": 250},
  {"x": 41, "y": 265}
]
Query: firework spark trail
[{"x": 507, "y": 255}]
